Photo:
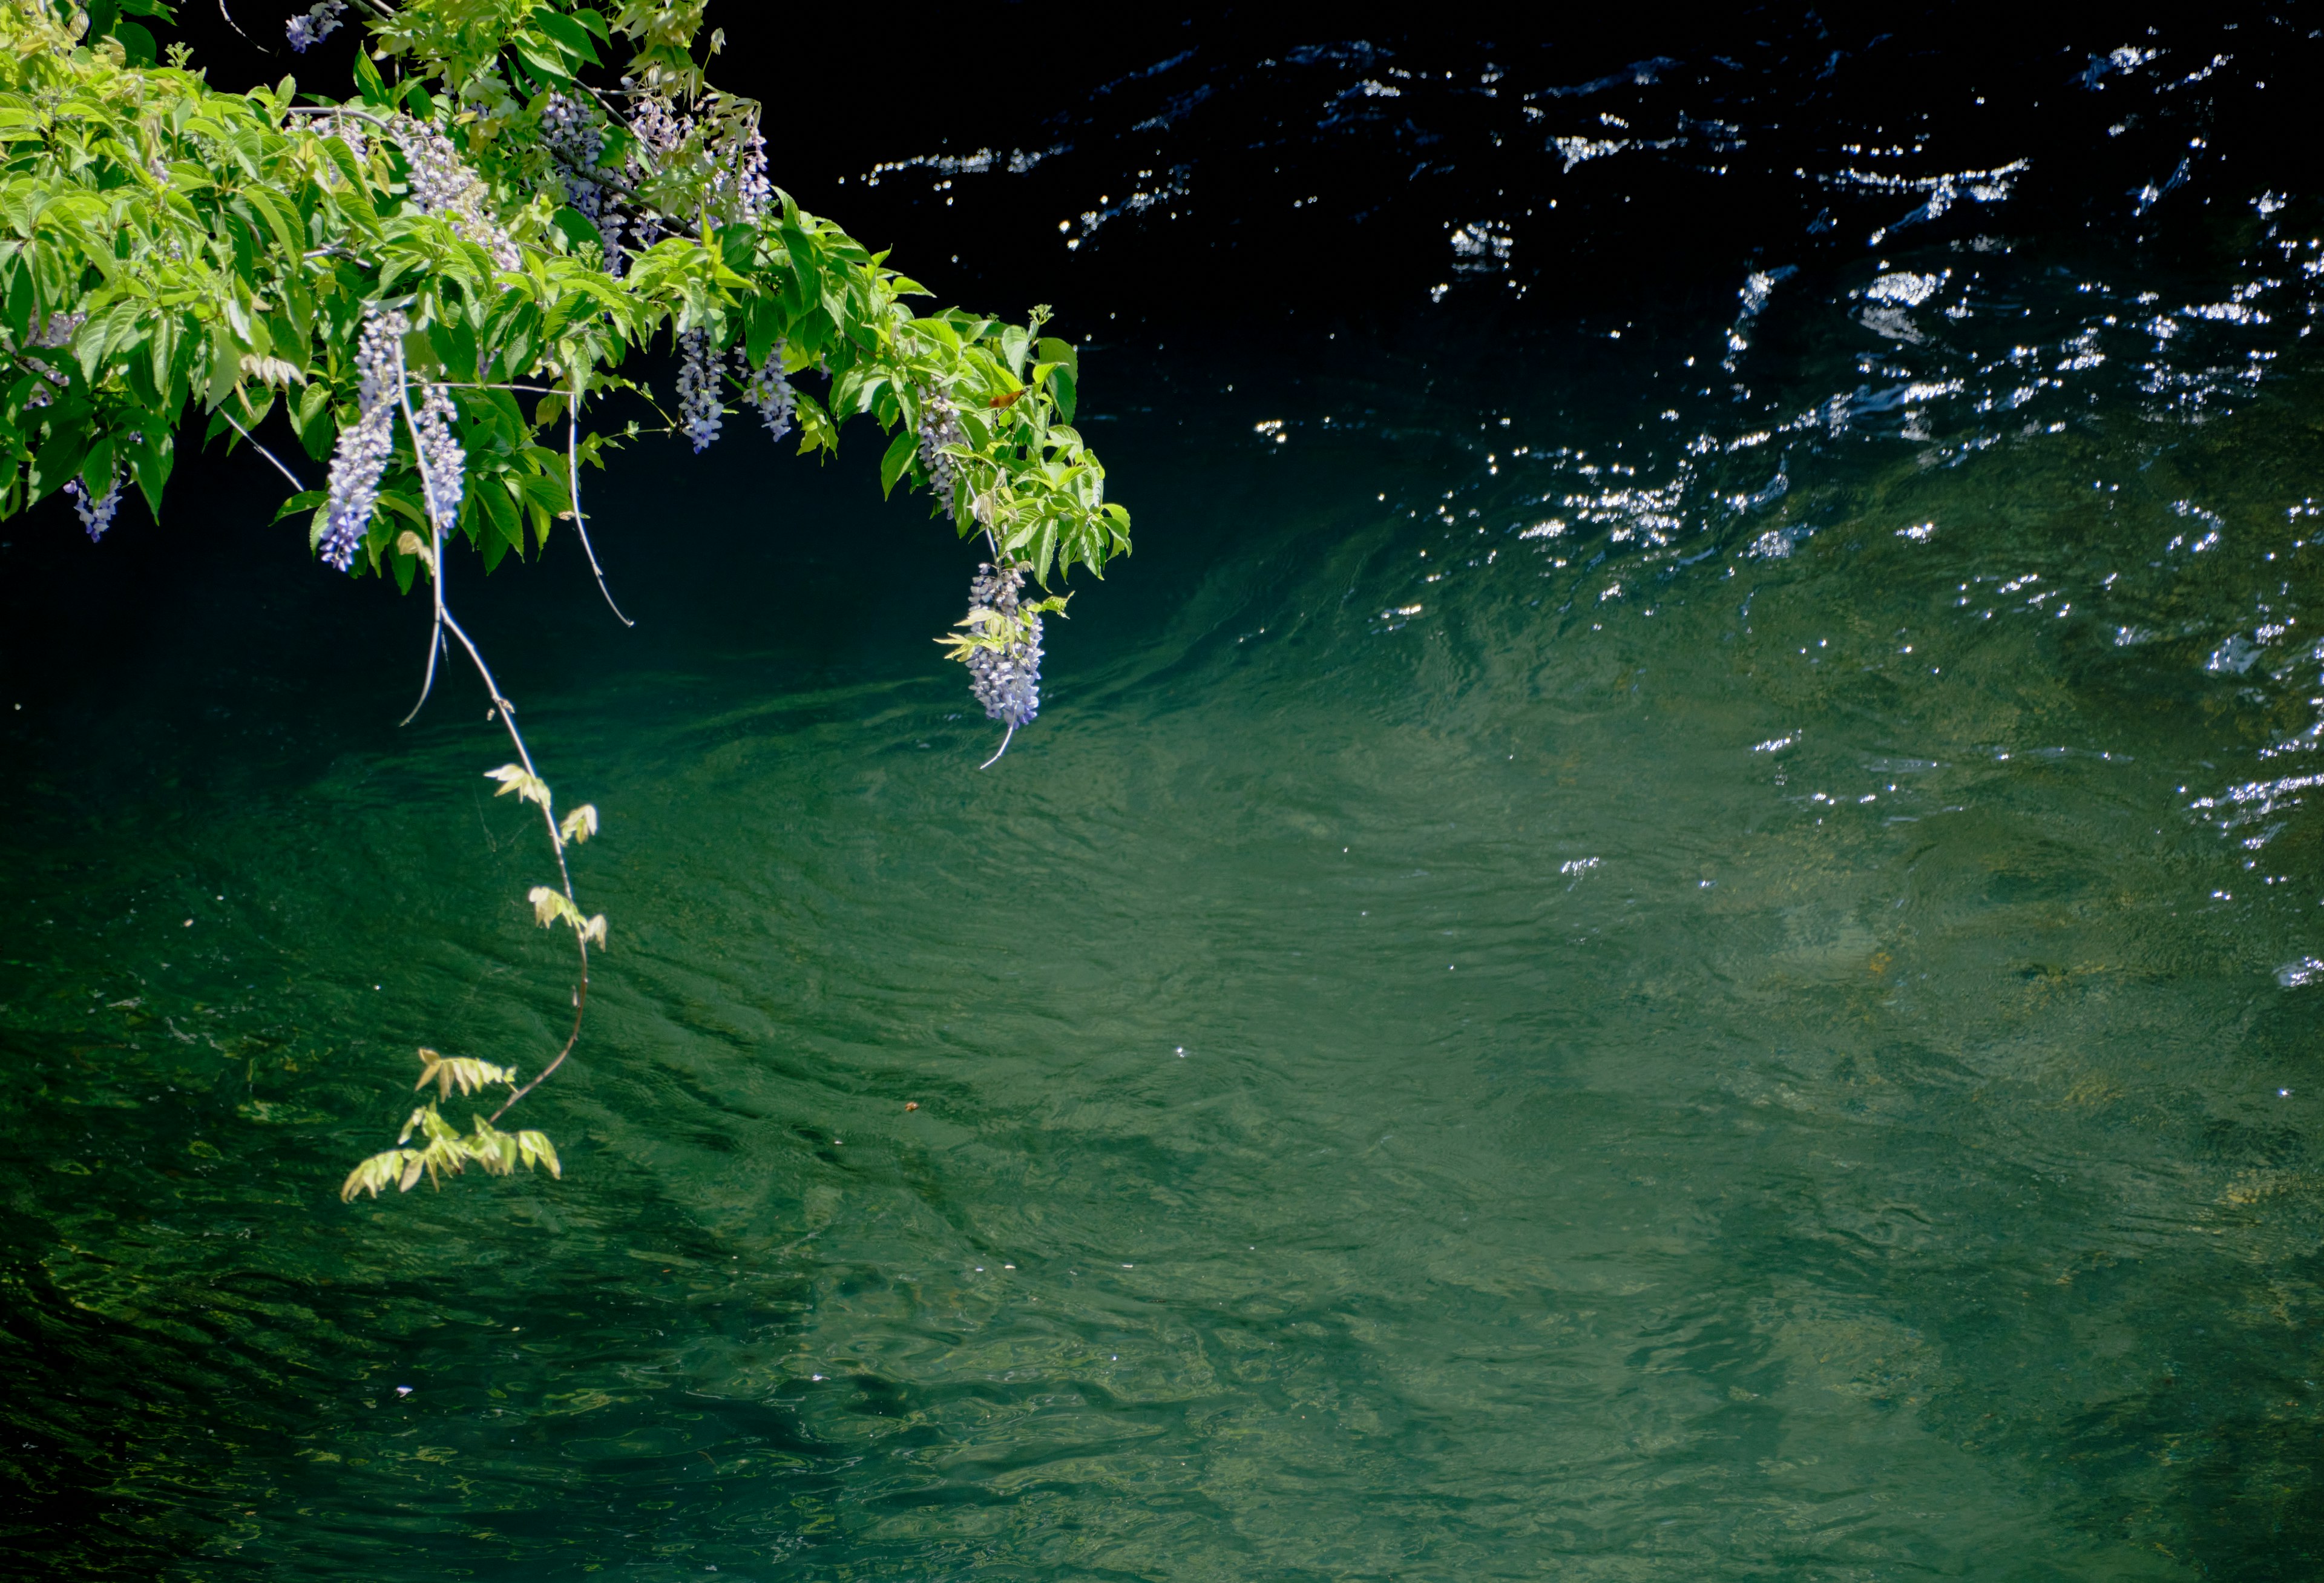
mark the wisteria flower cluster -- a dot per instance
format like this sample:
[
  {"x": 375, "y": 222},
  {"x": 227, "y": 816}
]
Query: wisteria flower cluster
[
  {"x": 442, "y": 184},
  {"x": 366, "y": 445},
  {"x": 728, "y": 154},
  {"x": 939, "y": 427},
  {"x": 443, "y": 465},
  {"x": 45, "y": 335},
  {"x": 699, "y": 412},
  {"x": 319, "y": 23},
  {"x": 349, "y": 131},
  {"x": 1005, "y": 668},
  {"x": 96, "y": 515},
  {"x": 742, "y": 174},
  {"x": 574, "y": 141},
  {"x": 766, "y": 390},
  {"x": 56, "y": 330}
]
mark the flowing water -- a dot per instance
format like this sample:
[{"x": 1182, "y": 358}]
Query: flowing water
[{"x": 1665, "y": 930}]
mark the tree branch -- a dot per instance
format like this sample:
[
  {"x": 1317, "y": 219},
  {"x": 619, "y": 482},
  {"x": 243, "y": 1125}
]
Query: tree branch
[{"x": 580, "y": 520}]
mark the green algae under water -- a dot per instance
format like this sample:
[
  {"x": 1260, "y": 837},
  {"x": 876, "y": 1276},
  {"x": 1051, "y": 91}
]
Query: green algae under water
[{"x": 1432, "y": 1094}]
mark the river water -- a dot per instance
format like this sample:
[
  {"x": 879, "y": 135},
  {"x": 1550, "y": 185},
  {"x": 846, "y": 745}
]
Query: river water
[{"x": 1667, "y": 928}]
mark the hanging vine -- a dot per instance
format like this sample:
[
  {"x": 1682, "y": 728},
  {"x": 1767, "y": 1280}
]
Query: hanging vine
[{"x": 429, "y": 281}]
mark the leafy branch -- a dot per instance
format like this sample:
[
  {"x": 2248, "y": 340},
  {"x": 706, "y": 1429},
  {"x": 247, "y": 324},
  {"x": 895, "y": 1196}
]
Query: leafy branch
[{"x": 428, "y": 278}]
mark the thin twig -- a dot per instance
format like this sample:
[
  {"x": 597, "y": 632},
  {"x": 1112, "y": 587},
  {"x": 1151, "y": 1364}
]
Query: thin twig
[
  {"x": 580, "y": 519},
  {"x": 507, "y": 712},
  {"x": 261, "y": 450},
  {"x": 230, "y": 20},
  {"x": 436, "y": 530},
  {"x": 997, "y": 751}
]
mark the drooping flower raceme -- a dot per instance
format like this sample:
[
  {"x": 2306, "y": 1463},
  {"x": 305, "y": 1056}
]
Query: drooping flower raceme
[
  {"x": 766, "y": 390},
  {"x": 366, "y": 444},
  {"x": 743, "y": 176},
  {"x": 699, "y": 412},
  {"x": 96, "y": 515},
  {"x": 574, "y": 143},
  {"x": 58, "y": 330},
  {"x": 349, "y": 131},
  {"x": 939, "y": 427},
  {"x": 1006, "y": 680},
  {"x": 444, "y": 464},
  {"x": 442, "y": 184},
  {"x": 320, "y": 22}
]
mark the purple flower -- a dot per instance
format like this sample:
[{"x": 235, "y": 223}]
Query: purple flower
[
  {"x": 1006, "y": 680},
  {"x": 444, "y": 469},
  {"x": 699, "y": 412},
  {"x": 939, "y": 427},
  {"x": 442, "y": 184},
  {"x": 96, "y": 514},
  {"x": 366, "y": 445},
  {"x": 321, "y": 22},
  {"x": 765, "y": 389}
]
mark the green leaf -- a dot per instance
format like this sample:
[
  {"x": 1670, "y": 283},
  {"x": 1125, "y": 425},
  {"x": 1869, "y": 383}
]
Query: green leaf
[
  {"x": 96, "y": 467},
  {"x": 150, "y": 464},
  {"x": 737, "y": 247},
  {"x": 459, "y": 1071},
  {"x": 537, "y": 1148},
  {"x": 900, "y": 451},
  {"x": 540, "y": 57},
  {"x": 136, "y": 43},
  {"x": 568, "y": 34},
  {"x": 493, "y": 497},
  {"x": 579, "y": 229},
  {"x": 299, "y": 502},
  {"x": 367, "y": 81},
  {"x": 516, "y": 778},
  {"x": 549, "y": 905},
  {"x": 59, "y": 458},
  {"x": 381, "y": 1171},
  {"x": 313, "y": 421}
]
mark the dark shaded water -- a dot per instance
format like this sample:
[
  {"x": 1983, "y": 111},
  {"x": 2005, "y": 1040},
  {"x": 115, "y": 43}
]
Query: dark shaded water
[{"x": 1665, "y": 930}]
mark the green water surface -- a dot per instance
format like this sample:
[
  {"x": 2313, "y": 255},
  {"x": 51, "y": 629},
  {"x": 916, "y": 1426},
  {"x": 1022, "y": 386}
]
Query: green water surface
[{"x": 1430, "y": 1062}]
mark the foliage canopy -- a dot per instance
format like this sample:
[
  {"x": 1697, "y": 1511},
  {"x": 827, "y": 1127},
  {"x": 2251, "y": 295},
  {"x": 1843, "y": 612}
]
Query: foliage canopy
[{"x": 475, "y": 241}]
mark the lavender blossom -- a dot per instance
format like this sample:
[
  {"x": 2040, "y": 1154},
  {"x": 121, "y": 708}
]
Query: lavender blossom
[
  {"x": 741, "y": 177},
  {"x": 765, "y": 388},
  {"x": 574, "y": 143},
  {"x": 48, "y": 333},
  {"x": 58, "y": 329},
  {"x": 699, "y": 413},
  {"x": 349, "y": 131},
  {"x": 366, "y": 445},
  {"x": 442, "y": 184},
  {"x": 660, "y": 128},
  {"x": 321, "y": 22},
  {"x": 940, "y": 427},
  {"x": 96, "y": 515},
  {"x": 1006, "y": 680},
  {"x": 444, "y": 464}
]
